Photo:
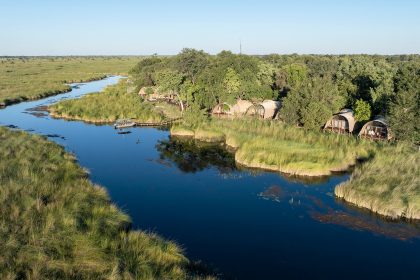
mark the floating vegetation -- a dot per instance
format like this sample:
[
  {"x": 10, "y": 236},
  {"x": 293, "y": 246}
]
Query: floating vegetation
[{"x": 272, "y": 193}]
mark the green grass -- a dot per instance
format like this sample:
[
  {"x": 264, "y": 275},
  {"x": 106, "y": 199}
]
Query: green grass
[
  {"x": 107, "y": 106},
  {"x": 36, "y": 77},
  {"x": 276, "y": 146},
  {"x": 389, "y": 184},
  {"x": 55, "y": 224}
]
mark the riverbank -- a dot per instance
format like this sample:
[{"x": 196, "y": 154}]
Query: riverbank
[
  {"x": 277, "y": 147},
  {"x": 388, "y": 184},
  {"x": 111, "y": 104},
  {"x": 32, "y": 78},
  {"x": 56, "y": 224}
]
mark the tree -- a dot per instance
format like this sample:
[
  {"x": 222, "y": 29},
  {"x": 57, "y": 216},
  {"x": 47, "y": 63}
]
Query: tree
[
  {"x": 362, "y": 110},
  {"x": 170, "y": 82},
  {"x": 296, "y": 74},
  {"x": 231, "y": 84},
  {"x": 191, "y": 62},
  {"x": 144, "y": 72},
  {"x": 313, "y": 104},
  {"x": 404, "y": 116}
]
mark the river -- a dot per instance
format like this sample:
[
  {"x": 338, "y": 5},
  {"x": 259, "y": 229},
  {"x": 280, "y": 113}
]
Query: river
[{"x": 244, "y": 224}]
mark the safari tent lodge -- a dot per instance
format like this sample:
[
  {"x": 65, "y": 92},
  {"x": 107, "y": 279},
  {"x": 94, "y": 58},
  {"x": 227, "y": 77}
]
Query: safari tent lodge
[
  {"x": 342, "y": 122},
  {"x": 376, "y": 129},
  {"x": 271, "y": 108},
  {"x": 222, "y": 109},
  {"x": 256, "y": 110},
  {"x": 240, "y": 107}
]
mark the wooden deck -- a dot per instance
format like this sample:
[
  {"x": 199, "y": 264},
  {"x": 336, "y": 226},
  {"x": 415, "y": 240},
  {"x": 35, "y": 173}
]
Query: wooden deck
[{"x": 164, "y": 123}]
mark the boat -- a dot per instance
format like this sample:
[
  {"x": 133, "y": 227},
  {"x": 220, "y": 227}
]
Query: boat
[{"x": 123, "y": 124}]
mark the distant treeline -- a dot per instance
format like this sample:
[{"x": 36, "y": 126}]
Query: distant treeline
[{"x": 310, "y": 87}]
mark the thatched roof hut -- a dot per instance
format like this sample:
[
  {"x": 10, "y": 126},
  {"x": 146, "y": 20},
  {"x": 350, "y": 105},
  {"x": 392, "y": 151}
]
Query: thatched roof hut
[
  {"x": 342, "y": 122},
  {"x": 222, "y": 109},
  {"x": 271, "y": 108},
  {"x": 240, "y": 107},
  {"x": 376, "y": 129},
  {"x": 256, "y": 110}
]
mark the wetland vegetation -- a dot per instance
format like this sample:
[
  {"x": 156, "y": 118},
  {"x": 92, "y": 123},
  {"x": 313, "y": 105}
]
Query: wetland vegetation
[
  {"x": 311, "y": 89},
  {"x": 28, "y": 78},
  {"x": 56, "y": 224},
  {"x": 108, "y": 106}
]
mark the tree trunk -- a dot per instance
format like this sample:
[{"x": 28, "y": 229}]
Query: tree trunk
[{"x": 180, "y": 101}]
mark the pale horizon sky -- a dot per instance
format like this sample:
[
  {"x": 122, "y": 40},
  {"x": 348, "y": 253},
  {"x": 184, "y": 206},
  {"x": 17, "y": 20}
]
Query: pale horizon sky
[{"x": 128, "y": 27}]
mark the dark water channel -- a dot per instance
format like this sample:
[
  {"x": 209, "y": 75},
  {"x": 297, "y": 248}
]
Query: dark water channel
[{"x": 243, "y": 223}]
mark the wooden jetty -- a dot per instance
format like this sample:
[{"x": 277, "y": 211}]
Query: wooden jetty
[
  {"x": 120, "y": 124},
  {"x": 167, "y": 122}
]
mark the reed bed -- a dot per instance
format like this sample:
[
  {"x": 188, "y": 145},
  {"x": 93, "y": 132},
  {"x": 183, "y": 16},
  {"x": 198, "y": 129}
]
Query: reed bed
[
  {"x": 275, "y": 146},
  {"x": 388, "y": 184},
  {"x": 111, "y": 104},
  {"x": 55, "y": 224}
]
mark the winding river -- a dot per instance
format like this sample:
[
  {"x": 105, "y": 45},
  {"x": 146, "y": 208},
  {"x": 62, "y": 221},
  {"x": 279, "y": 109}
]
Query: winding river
[{"x": 244, "y": 224}]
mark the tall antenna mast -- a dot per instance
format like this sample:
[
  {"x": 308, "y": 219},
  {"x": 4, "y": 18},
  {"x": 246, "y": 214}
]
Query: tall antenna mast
[{"x": 240, "y": 46}]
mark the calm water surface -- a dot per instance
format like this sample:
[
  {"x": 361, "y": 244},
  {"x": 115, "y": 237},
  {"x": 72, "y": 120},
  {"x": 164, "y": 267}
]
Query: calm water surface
[{"x": 244, "y": 224}]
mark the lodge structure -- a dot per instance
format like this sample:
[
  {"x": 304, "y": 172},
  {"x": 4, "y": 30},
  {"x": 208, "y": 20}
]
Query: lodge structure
[
  {"x": 342, "y": 122},
  {"x": 376, "y": 129}
]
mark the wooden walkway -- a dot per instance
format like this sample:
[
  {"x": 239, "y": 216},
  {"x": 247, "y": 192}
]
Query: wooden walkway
[{"x": 168, "y": 122}]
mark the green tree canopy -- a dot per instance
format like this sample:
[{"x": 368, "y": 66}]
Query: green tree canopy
[{"x": 362, "y": 110}]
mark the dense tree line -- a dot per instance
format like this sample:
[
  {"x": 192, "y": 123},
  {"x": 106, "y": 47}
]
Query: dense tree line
[{"x": 311, "y": 87}]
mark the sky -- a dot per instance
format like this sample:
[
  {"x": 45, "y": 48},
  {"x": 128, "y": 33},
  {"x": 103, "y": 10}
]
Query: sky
[{"x": 129, "y": 27}]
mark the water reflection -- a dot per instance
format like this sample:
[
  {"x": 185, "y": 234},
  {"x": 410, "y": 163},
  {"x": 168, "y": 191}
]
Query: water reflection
[{"x": 191, "y": 156}]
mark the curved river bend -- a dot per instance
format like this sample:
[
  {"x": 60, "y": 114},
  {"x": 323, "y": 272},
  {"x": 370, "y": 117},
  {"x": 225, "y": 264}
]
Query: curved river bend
[{"x": 244, "y": 224}]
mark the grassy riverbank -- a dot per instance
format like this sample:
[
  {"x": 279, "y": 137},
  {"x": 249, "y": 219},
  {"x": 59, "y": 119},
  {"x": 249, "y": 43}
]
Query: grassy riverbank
[
  {"x": 55, "y": 224},
  {"x": 31, "y": 78},
  {"x": 109, "y": 105},
  {"x": 388, "y": 184},
  {"x": 278, "y": 147}
]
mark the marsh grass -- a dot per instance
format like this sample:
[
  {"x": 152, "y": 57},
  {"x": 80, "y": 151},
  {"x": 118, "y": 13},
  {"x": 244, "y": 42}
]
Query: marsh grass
[
  {"x": 31, "y": 78},
  {"x": 275, "y": 146},
  {"x": 55, "y": 224},
  {"x": 388, "y": 184},
  {"x": 107, "y": 106}
]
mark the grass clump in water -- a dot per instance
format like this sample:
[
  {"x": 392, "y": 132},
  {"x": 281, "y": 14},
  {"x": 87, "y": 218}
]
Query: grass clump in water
[{"x": 55, "y": 224}]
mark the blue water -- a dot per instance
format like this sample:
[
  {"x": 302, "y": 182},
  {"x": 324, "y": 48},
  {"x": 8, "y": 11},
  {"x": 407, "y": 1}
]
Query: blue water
[{"x": 242, "y": 223}]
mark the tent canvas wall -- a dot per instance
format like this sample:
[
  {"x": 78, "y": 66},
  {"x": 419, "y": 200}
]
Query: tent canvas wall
[
  {"x": 256, "y": 110},
  {"x": 342, "y": 122},
  {"x": 271, "y": 108},
  {"x": 240, "y": 107},
  {"x": 376, "y": 129}
]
